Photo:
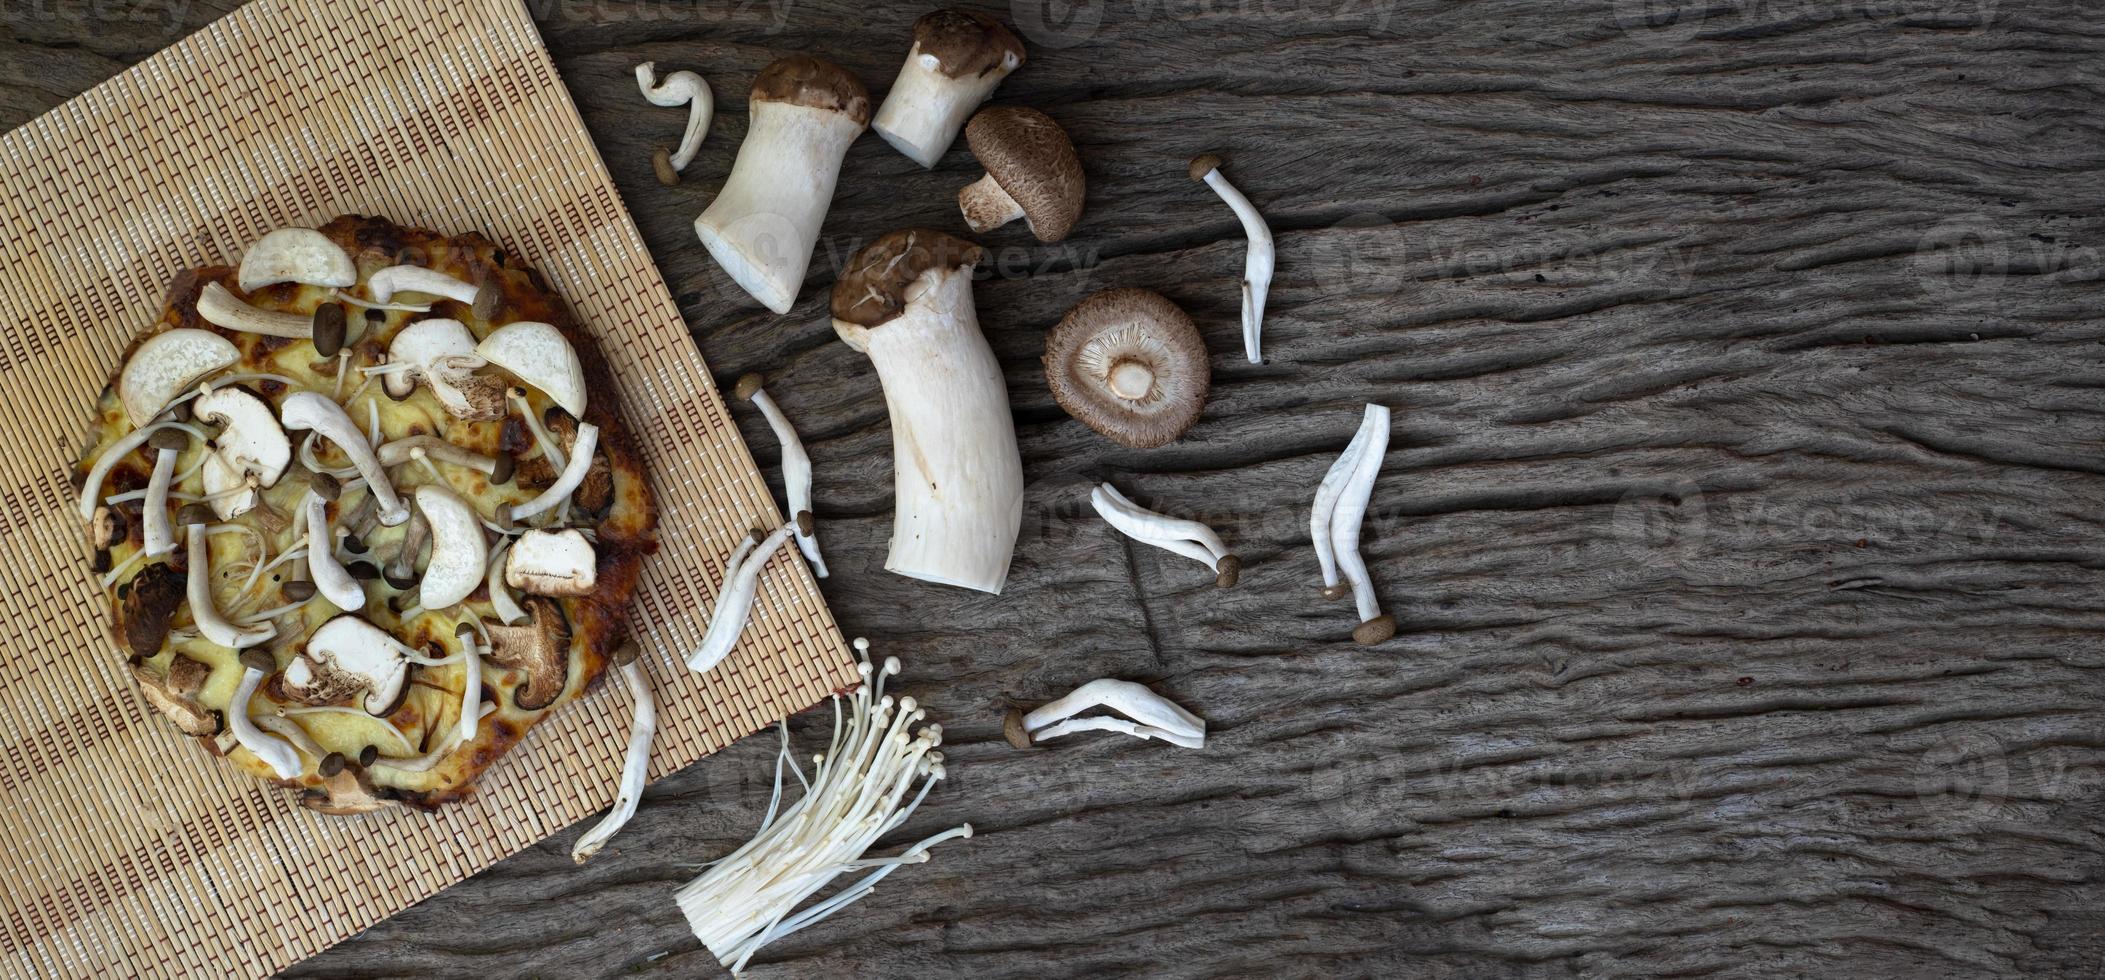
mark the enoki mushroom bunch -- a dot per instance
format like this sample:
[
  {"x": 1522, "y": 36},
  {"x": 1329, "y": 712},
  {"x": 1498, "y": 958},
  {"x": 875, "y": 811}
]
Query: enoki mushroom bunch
[{"x": 747, "y": 899}]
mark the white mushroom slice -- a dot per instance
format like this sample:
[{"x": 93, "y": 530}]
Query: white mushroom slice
[
  {"x": 383, "y": 285},
  {"x": 330, "y": 579},
  {"x": 635, "y": 764},
  {"x": 250, "y": 443},
  {"x": 165, "y": 365},
  {"x": 275, "y": 752},
  {"x": 1257, "y": 262},
  {"x": 345, "y": 656},
  {"x": 1135, "y": 701},
  {"x": 677, "y": 89},
  {"x": 501, "y": 601},
  {"x": 572, "y": 475},
  {"x": 539, "y": 355},
  {"x": 300, "y": 255},
  {"x": 309, "y": 410},
  {"x": 197, "y": 554},
  {"x": 1188, "y": 538},
  {"x": 222, "y": 308},
  {"x": 458, "y": 551},
  {"x": 552, "y": 563},
  {"x": 735, "y": 603},
  {"x": 419, "y": 349},
  {"x": 796, "y": 470}
]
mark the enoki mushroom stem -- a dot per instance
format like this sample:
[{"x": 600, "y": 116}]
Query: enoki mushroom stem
[
  {"x": 1334, "y": 524},
  {"x": 796, "y": 470},
  {"x": 1191, "y": 539}
]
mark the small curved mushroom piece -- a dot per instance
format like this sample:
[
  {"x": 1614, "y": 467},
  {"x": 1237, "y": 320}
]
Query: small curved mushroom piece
[
  {"x": 635, "y": 764},
  {"x": 677, "y": 89},
  {"x": 300, "y": 255},
  {"x": 175, "y": 695},
  {"x": 501, "y": 601},
  {"x": 250, "y": 451},
  {"x": 275, "y": 752},
  {"x": 311, "y": 410},
  {"x": 1153, "y": 716},
  {"x": 958, "y": 58},
  {"x": 735, "y": 603},
  {"x": 553, "y": 563},
  {"x": 796, "y": 469},
  {"x": 384, "y": 284},
  {"x": 541, "y": 648},
  {"x": 348, "y": 791},
  {"x": 167, "y": 364},
  {"x": 330, "y": 579},
  {"x": 399, "y": 451},
  {"x": 538, "y": 354},
  {"x": 459, "y": 554},
  {"x": 400, "y": 572},
  {"x": 1129, "y": 364},
  {"x": 1257, "y": 262},
  {"x": 573, "y": 474},
  {"x": 1188, "y": 538},
  {"x": 343, "y": 657},
  {"x": 1032, "y": 173},
  {"x": 441, "y": 353},
  {"x": 197, "y": 554},
  {"x": 221, "y": 308},
  {"x": 1334, "y": 523},
  {"x": 157, "y": 535}
]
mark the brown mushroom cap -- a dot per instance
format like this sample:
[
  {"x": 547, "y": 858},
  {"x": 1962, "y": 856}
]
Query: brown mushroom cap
[
  {"x": 149, "y": 607},
  {"x": 174, "y": 696},
  {"x": 966, "y": 42},
  {"x": 1203, "y": 164},
  {"x": 540, "y": 647},
  {"x": 872, "y": 289},
  {"x": 1129, "y": 364},
  {"x": 1030, "y": 156},
  {"x": 815, "y": 82}
]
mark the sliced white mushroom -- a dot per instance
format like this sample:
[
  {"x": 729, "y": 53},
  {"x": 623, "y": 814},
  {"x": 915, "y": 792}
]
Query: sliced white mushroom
[
  {"x": 168, "y": 363},
  {"x": 735, "y": 603},
  {"x": 1257, "y": 261},
  {"x": 538, "y": 354},
  {"x": 459, "y": 554},
  {"x": 567, "y": 482},
  {"x": 796, "y": 470},
  {"x": 204, "y": 610},
  {"x": 1188, "y": 538},
  {"x": 1155, "y": 715},
  {"x": 300, "y": 255},
  {"x": 1334, "y": 523},
  {"x": 277, "y": 753},
  {"x": 384, "y": 284},
  {"x": 677, "y": 89},
  {"x": 310, "y": 410},
  {"x": 251, "y": 449},
  {"x": 552, "y": 563},
  {"x": 345, "y": 656},
  {"x": 220, "y": 307},
  {"x": 418, "y": 350},
  {"x": 635, "y": 764},
  {"x": 330, "y": 579}
]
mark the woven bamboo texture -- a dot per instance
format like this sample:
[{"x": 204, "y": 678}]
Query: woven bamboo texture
[{"x": 129, "y": 850}]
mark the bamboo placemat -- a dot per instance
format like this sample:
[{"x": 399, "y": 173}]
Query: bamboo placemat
[{"x": 129, "y": 851}]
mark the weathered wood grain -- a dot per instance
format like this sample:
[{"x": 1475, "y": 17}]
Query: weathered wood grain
[{"x": 1742, "y": 509}]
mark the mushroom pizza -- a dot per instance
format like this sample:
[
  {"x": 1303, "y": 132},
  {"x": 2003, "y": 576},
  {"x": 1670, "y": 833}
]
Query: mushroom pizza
[{"x": 364, "y": 510}]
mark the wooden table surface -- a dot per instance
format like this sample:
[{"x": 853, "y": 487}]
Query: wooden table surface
[{"x": 1741, "y": 510}]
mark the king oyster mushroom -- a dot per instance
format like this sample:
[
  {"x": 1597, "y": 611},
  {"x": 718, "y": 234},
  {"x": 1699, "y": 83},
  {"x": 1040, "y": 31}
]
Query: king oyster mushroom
[
  {"x": 538, "y": 354},
  {"x": 1129, "y": 364},
  {"x": 540, "y": 647},
  {"x": 167, "y": 364},
  {"x": 958, "y": 58},
  {"x": 1032, "y": 173},
  {"x": 555, "y": 563},
  {"x": 441, "y": 354},
  {"x": 251, "y": 450},
  {"x": 305, "y": 410},
  {"x": 458, "y": 551},
  {"x": 300, "y": 255},
  {"x": 175, "y": 694},
  {"x": 345, "y": 656},
  {"x": 906, "y": 301}
]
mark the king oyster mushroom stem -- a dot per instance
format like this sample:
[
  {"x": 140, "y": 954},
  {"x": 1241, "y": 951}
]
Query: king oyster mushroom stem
[
  {"x": 552, "y": 563},
  {"x": 1156, "y": 716},
  {"x": 310, "y": 410},
  {"x": 384, "y": 284},
  {"x": 197, "y": 555},
  {"x": 1032, "y": 173},
  {"x": 796, "y": 469},
  {"x": 958, "y": 58},
  {"x": 1257, "y": 262},
  {"x": 300, "y": 255},
  {"x": 347, "y": 656},
  {"x": 1188, "y": 538},
  {"x": 459, "y": 553},
  {"x": 635, "y": 763},
  {"x": 1334, "y": 523},
  {"x": 251, "y": 450},
  {"x": 538, "y": 354},
  {"x": 167, "y": 364},
  {"x": 906, "y": 301},
  {"x": 221, "y": 308},
  {"x": 674, "y": 90},
  {"x": 573, "y": 474},
  {"x": 277, "y": 753},
  {"x": 167, "y": 444},
  {"x": 735, "y": 603},
  {"x": 761, "y": 228},
  {"x": 330, "y": 579}
]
